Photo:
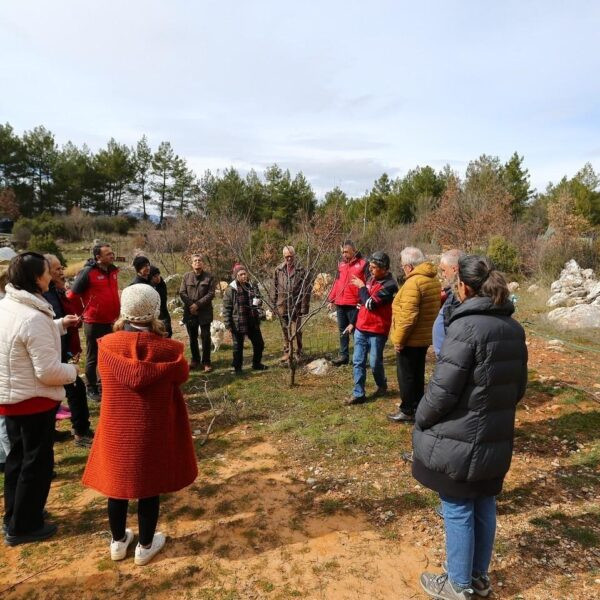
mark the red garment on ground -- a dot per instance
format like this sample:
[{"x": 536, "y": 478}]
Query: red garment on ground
[{"x": 143, "y": 444}]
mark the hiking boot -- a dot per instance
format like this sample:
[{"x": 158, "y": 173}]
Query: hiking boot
[
  {"x": 355, "y": 400},
  {"x": 93, "y": 393},
  {"x": 401, "y": 417},
  {"x": 339, "y": 361},
  {"x": 481, "y": 585},
  {"x": 144, "y": 555},
  {"x": 441, "y": 588},
  {"x": 43, "y": 533},
  {"x": 118, "y": 550},
  {"x": 259, "y": 367}
]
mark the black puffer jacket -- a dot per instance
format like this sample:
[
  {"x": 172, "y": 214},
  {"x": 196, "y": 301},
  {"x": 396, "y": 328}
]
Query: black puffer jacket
[{"x": 463, "y": 436}]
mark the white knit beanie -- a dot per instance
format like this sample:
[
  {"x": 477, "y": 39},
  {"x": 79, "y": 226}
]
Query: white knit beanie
[{"x": 140, "y": 303}]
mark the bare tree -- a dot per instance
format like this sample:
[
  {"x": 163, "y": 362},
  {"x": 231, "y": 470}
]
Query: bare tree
[{"x": 316, "y": 241}]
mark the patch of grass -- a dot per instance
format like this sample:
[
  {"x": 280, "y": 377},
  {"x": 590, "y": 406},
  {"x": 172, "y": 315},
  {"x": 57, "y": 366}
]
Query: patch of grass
[
  {"x": 69, "y": 491},
  {"x": 412, "y": 500},
  {"x": 208, "y": 490},
  {"x": 573, "y": 398},
  {"x": 577, "y": 425},
  {"x": 226, "y": 507},
  {"x": 535, "y": 385},
  {"x": 330, "y": 506},
  {"x": 585, "y": 536},
  {"x": 265, "y": 586},
  {"x": 589, "y": 458},
  {"x": 251, "y": 535},
  {"x": 106, "y": 564},
  {"x": 223, "y": 551}
]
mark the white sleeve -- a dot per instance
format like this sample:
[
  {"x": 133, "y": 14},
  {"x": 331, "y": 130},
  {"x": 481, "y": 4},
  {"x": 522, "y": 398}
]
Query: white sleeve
[{"x": 38, "y": 337}]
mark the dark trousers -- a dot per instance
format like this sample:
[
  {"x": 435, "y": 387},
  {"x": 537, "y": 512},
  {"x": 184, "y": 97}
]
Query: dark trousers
[
  {"x": 192, "y": 329},
  {"x": 78, "y": 405},
  {"x": 346, "y": 315},
  {"x": 258, "y": 345},
  {"x": 28, "y": 470},
  {"x": 168, "y": 327},
  {"x": 410, "y": 369},
  {"x": 147, "y": 518},
  {"x": 93, "y": 332}
]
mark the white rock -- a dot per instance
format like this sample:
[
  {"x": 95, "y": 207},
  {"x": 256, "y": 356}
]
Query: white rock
[
  {"x": 593, "y": 292},
  {"x": 557, "y": 299},
  {"x": 7, "y": 253},
  {"x": 333, "y": 315},
  {"x": 556, "y": 342},
  {"x": 318, "y": 367},
  {"x": 588, "y": 274},
  {"x": 513, "y": 286},
  {"x": 532, "y": 289},
  {"x": 174, "y": 277},
  {"x": 556, "y": 286},
  {"x": 582, "y": 316}
]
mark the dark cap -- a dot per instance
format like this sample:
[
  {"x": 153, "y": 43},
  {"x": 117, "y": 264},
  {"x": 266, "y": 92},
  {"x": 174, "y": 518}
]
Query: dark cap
[{"x": 381, "y": 259}]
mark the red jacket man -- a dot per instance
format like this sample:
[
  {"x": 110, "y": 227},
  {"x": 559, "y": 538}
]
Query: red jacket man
[
  {"x": 98, "y": 287},
  {"x": 345, "y": 297}
]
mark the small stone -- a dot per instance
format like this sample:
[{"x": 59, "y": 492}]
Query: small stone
[{"x": 311, "y": 481}]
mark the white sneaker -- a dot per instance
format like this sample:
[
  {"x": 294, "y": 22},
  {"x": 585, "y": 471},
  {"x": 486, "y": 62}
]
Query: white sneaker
[
  {"x": 144, "y": 555},
  {"x": 118, "y": 550}
]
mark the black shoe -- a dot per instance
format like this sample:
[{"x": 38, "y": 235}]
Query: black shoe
[
  {"x": 43, "y": 533},
  {"x": 61, "y": 436},
  {"x": 401, "y": 417},
  {"x": 236, "y": 371},
  {"x": 260, "y": 367},
  {"x": 354, "y": 400},
  {"x": 339, "y": 361},
  {"x": 407, "y": 457},
  {"x": 93, "y": 393},
  {"x": 380, "y": 392},
  {"x": 46, "y": 515}
]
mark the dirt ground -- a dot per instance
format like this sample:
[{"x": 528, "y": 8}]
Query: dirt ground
[{"x": 263, "y": 521}]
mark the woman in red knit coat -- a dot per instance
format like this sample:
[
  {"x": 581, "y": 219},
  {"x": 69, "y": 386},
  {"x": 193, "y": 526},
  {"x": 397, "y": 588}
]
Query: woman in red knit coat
[{"x": 143, "y": 445}]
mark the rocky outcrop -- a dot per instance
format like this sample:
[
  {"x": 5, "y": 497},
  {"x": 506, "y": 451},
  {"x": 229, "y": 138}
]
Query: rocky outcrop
[
  {"x": 582, "y": 316},
  {"x": 575, "y": 286}
]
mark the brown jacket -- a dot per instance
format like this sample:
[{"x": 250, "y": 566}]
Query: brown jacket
[
  {"x": 291, "y": 293},
  {"x": 198, "y": 290},
  {"x": 415, "y": 307}
]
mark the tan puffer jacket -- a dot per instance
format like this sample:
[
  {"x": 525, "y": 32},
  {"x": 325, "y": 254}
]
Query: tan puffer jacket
[
  {"x": 30, "y": 364},
  {"x": 415, "y": 307}
]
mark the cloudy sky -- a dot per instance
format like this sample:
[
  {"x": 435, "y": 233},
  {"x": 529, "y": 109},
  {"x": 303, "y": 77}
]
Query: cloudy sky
[{"x": 342, "y": 90}]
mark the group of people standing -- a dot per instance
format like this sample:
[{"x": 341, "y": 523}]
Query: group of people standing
[{"x": 463, "y": 421}]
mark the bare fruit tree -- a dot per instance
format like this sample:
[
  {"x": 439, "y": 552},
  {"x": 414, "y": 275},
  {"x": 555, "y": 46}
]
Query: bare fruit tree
[{"x": 316, "y": 241}]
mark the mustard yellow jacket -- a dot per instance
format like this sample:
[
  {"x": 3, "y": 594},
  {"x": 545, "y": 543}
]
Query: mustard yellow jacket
[{"x": 415, "y": 307}]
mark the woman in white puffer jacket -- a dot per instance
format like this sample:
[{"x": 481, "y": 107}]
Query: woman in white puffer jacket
[{"x": 31, "y": 387}]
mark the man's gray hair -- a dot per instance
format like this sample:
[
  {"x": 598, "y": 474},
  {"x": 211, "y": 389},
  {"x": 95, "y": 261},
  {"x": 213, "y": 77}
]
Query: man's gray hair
[
  {"x": 197, "y": 255},
  {"x": 412, "y": 256},
  {"x": 51, "y": 257},
  {"x": 451, "y": 257},
  {"x": 290, "y": 249}
]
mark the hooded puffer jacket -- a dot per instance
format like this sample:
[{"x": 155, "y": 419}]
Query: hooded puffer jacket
[
  {"x": 30, "y": 349},
  {"x": 415, "y": 307},
  {"x": 143, "y": 445},
  {"x": 463, "y": 436}
]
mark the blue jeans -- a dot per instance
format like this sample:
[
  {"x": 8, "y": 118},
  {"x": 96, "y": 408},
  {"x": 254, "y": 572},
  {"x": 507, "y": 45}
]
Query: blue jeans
[
  {"x": 470, "y": 529},
  {"x": 369, "y": 345}
]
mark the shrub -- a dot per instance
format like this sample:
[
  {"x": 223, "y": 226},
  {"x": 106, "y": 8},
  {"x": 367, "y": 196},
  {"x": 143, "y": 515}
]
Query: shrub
[
  {"x": 504, "y": 254},
  {"x": 555, "y": 252},
  {"x": 46, "y": 244},
  {"x": 78, "y": 225},
  {"x": 105, "y": 224}
]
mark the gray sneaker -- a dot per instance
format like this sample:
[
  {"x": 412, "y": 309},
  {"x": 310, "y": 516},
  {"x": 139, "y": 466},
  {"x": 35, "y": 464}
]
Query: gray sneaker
[
  {"x": 481, "y": 585},
  {"x": 441, "y": 588}
]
